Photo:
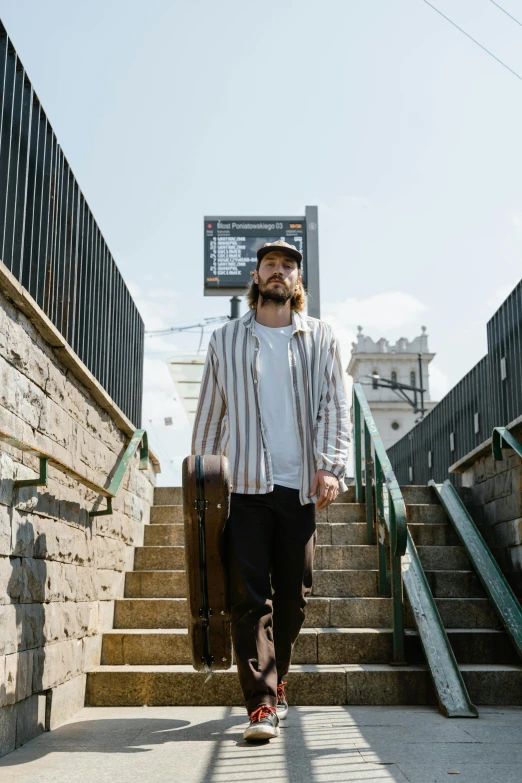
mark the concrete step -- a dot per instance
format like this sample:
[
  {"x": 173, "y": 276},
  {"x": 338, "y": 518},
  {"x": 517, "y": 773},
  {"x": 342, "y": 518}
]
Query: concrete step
[
  {"x": 346, "y": 497},
  {"x": 327, "y": 557},
  {"x": 435, "y": 534},
  {"x": 412, "y": 494},
  {"x": 351, "y": 533},
  {"x": 490, "y": 646},
  {"x": 363, "y": 584},
  {"x": 150, "y": 647},
  {"x": 426, "y": 514},
  {"x": 327, "y": 584},
  {"x": 454, "y": 584},
  {"x": 168, "y": 496},
  {"x": 342, "y": 512},
  {"x": 461, "y": 613},
  {"x": 377, "y": 613},
  {"x": 375, "y": 645},
  {"x": 358, "y": 557},
  {"x": 341, "y": 584},
  {"x": 355, "y": 533},
  {"x": 155, "y": 584},
  {"x": 164, "y": 535},
  {"x": 337, "y": 533},
  {"x": 159, "y": 558},
  {"x": 320, "y": 613},
  {"x": 150, "y": 613},
  {"x": 158, "y": 647},
  {"x": 443, "y": 558},
  {"x": 357, "y": 684},
  {"x": 166, "y": 515}
]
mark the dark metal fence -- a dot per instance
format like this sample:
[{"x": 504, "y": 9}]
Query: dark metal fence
[
  {"x": 490, "y": 395},
  {"x": 51, "y": 243}
]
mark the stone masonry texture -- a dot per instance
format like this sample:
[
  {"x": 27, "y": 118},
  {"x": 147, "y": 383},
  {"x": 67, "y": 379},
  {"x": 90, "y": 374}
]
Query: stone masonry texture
[
  {"x": 60, "y": 569},
  {"x": 494, "y": 499}
]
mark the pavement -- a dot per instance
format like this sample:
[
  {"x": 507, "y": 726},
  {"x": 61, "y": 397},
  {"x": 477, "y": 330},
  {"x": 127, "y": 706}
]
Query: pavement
[{"x": 317, "y": 744}]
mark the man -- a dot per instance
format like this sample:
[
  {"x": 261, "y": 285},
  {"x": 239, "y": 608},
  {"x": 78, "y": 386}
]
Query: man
[{"x": 273, "y": 401}]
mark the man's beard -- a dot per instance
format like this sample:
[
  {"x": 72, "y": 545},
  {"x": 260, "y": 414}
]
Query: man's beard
[{"x": 271, "y": 293}]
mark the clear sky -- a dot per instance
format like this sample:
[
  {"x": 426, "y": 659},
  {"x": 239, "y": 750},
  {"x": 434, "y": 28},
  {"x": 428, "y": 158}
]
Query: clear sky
[{"x": 404, "y": 133}]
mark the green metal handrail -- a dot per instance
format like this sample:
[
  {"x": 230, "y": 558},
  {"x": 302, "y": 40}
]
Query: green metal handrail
[
  {"x": 381, "y": 492},
  {"x": 390, "y": 510},
  {"x": 46, "y": 459},
  {"x": 139, "y": 437},
  {"x": 494, "y": 582},
  {"x": 502, "y": 434}
]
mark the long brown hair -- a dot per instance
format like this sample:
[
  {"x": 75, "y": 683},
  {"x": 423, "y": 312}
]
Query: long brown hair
[{"x": 297, "y": 302}]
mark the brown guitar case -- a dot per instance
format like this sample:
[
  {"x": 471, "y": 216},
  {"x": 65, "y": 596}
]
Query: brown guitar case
[{"x": 206, "y": 506}]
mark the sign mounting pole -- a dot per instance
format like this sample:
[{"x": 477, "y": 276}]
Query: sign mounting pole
[{"x": 312, "y": 250}]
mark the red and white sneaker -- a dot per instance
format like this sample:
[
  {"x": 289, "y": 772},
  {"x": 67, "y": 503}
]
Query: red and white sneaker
[{"x": 264, "y": 724}]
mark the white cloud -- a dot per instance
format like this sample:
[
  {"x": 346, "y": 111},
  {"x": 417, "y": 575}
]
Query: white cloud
[
  {"x": 439, "y": 383},
  {"x": 162, "y": 293},
  {"x": 171, "y": 443},
  {"x": 159, "y": 390},
  {"x": 380, "y": 315},
  {"x": 499, "y": 295},
  {"x": 382, "y": 312},
  {"x": 341, "y": 207},
  {"x": 516, "y": 221},
  {"x": 362, "y": 201},
  {"x": 156, "y": 307}
]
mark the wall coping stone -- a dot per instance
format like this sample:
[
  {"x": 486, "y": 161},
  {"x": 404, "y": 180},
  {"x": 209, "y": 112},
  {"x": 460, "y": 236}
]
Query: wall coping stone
[{"x": 14, "y": 291}]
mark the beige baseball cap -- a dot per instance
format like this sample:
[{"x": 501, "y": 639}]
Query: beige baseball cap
[{"x": 282, "y": 247}]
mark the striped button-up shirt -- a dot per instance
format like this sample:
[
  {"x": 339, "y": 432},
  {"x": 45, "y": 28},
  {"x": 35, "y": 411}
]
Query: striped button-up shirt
[{"x": 228, "y": 418}]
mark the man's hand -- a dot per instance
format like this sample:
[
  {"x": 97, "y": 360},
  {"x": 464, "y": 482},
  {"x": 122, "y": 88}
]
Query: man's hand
[{"x": 329, "y": 488}]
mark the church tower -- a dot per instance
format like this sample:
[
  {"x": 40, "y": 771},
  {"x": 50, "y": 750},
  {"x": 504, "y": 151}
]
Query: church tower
[{"x": 375, "y": 363}]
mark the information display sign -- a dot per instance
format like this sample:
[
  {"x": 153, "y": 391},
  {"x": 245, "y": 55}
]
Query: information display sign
[{"x": 231, "y": 244}]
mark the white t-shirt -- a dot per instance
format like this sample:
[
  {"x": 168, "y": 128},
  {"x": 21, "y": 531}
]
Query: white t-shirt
[{"x": 277, "y": 406}]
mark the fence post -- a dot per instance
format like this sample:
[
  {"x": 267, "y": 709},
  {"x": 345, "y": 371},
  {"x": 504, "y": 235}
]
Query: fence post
[
  {"x": 368, "y": 484},
  {"x": 397, "y": 597},
  {"x": 357, "y": 445},
  {"x": 381, "y": 528}
]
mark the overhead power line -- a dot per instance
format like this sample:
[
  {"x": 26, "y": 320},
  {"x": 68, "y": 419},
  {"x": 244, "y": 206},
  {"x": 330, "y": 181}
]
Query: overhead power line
[
  {"x": 474, "y": 40},
  {"x": 507, "y": 14},
  {"x": 172, "y": 329}
]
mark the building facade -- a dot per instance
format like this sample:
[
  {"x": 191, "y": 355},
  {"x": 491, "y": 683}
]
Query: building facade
[
  {"x": 187, "y": 373},
  {"x": 398, "y": 363}
]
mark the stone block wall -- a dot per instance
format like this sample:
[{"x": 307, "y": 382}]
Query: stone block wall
[
  {"x": 493, "y": 495},
  {"x": 60, "y": 569}
]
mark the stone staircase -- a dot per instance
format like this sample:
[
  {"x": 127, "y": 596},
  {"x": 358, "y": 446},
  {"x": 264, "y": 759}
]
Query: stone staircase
[{"x": 342, "y": 655}]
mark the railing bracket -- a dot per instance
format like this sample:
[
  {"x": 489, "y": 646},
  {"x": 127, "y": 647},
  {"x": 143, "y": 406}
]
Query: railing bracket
[
  {"x": 41, "y": 481},
  {"x": 105, "y": 511}
]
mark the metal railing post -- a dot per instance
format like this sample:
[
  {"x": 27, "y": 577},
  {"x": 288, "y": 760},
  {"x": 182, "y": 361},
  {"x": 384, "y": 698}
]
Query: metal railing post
[
  {"x": 381, "y": 528},
  {"x": 357, "y": 446},
  {"x": 368, "y": 484},
  {"x": 397, "y": 598}
]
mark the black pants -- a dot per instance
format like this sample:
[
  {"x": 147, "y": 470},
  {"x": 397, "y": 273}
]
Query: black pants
[{"x": 270, "y": 543}]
